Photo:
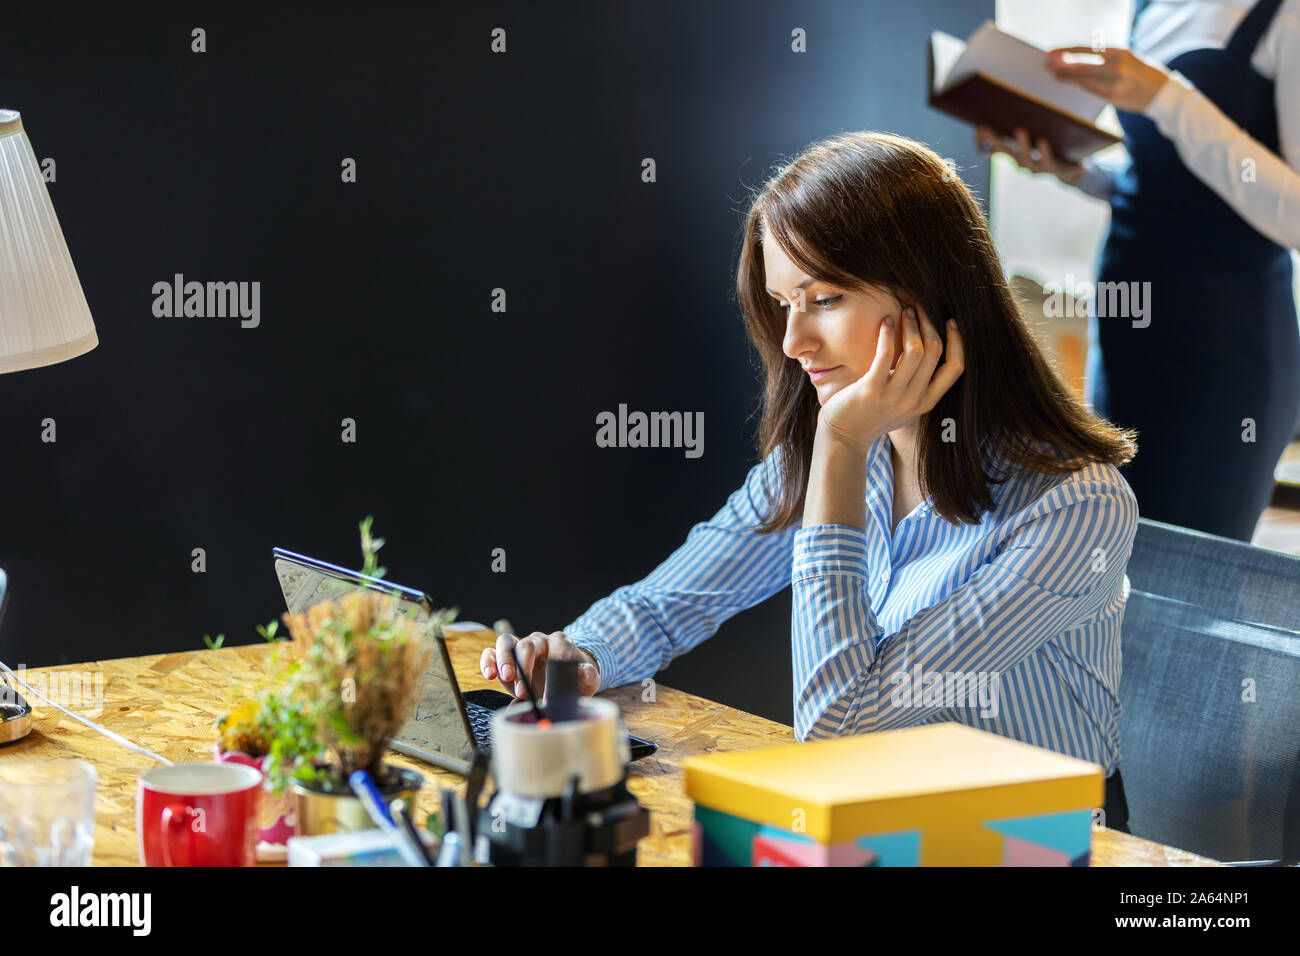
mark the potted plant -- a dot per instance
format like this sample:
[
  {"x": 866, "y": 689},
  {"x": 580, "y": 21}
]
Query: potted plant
[
  {"x": 350, "y": 682},
  {"x": 270, "y": 732}
]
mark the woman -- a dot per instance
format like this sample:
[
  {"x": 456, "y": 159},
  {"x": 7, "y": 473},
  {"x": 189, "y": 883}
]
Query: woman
[
  {"x": 1207, "y": 212},
  {"x": 963, "y": 520}
]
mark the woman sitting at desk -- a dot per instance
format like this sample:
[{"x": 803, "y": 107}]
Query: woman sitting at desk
[{"x": 964, "y": 523}]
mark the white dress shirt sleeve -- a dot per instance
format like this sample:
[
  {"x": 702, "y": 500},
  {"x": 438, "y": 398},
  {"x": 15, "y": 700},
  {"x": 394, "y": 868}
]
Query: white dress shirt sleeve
[
  {"x": 1098, "y": 179},
  {"x": 1262, "y": 187}
]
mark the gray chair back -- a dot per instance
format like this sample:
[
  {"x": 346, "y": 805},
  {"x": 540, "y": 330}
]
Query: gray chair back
[{"x": 1210, "y": 695}]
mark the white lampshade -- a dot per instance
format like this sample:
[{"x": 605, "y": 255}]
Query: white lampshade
[{"x": 43, "y": 313}]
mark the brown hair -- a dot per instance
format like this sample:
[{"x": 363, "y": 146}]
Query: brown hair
[{"x": 866, "y": 209}]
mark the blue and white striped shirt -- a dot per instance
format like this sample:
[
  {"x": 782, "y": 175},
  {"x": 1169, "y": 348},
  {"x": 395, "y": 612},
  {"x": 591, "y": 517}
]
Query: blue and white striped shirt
[{"x": 1011, "y": 626}]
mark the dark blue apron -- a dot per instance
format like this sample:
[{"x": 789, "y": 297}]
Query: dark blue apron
[{"x": 1222, "y": 344}]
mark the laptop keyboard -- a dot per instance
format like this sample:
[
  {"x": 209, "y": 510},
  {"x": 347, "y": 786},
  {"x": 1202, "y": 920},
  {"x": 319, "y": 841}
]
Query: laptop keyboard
[{"x": 480, "y": 723}]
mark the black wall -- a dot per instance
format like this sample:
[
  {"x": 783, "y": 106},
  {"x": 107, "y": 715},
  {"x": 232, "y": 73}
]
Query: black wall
[{"x": 476, "y": 171}]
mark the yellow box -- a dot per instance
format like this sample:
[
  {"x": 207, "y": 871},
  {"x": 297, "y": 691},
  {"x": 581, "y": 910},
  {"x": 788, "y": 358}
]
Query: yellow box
[{"x": 939, "y": 795}]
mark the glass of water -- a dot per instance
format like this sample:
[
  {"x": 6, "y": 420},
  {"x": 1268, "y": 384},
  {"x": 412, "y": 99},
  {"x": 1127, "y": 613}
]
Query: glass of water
[{"x": 47, "y": 811}]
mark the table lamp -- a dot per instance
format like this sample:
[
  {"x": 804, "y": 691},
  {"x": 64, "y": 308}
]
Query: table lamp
[
  {"x": 44, "y": 318},
  {"x": 43, "y": 313}
]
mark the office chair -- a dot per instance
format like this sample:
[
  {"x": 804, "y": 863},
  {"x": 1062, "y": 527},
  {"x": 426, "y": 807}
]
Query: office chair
[{"x": 1210, "y": 695}]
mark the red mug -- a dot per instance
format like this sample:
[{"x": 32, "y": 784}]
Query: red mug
[{"x": 197, "y": 814}]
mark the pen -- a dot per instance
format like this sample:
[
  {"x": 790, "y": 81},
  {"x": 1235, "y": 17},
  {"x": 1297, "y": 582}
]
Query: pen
[
  {"x": 449, "y": 851},
  {"x": 537, "y": 711},
  {"x": 403, "y": 817},
  {"x": 473, "y": 788},
  {"x": 369, "y": 796}
]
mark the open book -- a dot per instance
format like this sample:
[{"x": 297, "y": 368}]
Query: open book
[{"x": 997, "y": 80}]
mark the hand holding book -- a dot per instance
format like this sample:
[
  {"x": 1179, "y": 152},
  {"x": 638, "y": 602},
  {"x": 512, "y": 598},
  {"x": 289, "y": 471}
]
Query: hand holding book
[
  {"x": 1036, "y": 157},
  {"x": 1002, "y": 82},
  {"x": 1120, "y": 77}
]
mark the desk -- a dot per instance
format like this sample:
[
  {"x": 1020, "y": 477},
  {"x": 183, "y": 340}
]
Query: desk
[{"x": 169, "y": 703}]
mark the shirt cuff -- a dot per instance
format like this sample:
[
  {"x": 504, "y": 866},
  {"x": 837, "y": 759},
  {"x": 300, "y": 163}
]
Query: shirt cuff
[
  {"x": 1169, "y": 101},
  {"x": 1097, "y": 180},
  {"x": 829, "y": 549},
  {"x": 599, "y": 649}
]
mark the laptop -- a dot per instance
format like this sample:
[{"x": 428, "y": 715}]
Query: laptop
[{"x": 448, "y": 727}]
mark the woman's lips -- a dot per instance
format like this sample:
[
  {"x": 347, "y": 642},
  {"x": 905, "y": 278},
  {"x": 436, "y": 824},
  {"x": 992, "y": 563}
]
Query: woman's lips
[{"x": 818, "y": 376}]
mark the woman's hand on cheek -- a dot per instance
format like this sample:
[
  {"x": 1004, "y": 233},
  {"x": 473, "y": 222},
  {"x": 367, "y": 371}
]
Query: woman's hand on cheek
[{"x": 883, "y": 400}]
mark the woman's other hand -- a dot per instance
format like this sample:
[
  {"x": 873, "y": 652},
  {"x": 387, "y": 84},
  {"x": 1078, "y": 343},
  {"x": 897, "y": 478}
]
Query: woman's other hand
[
  {"x": 532, "y": 652},
  {"x": 885, "y": 398},
  {"x": 1122, "y": 78},
  {"x": 1035, "y": 158}
]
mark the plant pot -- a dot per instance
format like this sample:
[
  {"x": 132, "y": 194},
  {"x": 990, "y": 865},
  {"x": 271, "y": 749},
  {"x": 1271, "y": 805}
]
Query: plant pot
[
  {"x": 319, "y": 811},
  {"x": 275, "y": 817}
]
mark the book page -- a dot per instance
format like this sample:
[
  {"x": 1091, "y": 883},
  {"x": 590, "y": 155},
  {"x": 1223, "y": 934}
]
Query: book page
[{"x": 945, "y": 50}]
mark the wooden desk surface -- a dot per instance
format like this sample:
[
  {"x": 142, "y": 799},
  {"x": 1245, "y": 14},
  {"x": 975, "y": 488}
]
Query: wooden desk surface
[{"x": 169, "y": 703}]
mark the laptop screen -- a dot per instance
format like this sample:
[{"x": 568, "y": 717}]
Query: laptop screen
[{"x": 438, "y": 727}]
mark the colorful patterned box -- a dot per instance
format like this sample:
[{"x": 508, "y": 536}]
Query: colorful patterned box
[{"x": 939, "y": 795}]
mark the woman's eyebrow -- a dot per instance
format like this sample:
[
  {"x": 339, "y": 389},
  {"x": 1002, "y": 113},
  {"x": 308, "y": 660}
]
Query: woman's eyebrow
[{"x": 802, "y": 285}]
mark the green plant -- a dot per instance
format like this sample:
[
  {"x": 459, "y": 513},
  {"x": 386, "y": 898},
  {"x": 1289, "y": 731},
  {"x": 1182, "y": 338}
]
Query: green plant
[
  {"x": 266, "y": 630},
  {"x": 271, "y": 723},
  {"x": 353, "y": 671},
  {"x": 369, "y": 549}
]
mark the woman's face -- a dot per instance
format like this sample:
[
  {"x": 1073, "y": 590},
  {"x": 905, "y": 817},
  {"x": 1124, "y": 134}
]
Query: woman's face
[{"x": 828, "y": 327}]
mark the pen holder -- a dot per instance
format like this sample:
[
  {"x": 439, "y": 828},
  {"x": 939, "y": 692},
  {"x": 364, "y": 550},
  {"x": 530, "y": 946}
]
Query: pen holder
[
  {"x": 529, "y": 760},
  {"x": 562, "y": 797}
]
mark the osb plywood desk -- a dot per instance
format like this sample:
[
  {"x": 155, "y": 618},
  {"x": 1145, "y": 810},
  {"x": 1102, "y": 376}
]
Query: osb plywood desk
[{"x": 169, "y": 703}]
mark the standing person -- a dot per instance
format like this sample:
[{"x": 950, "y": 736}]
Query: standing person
[
  {"x": 1206, "y": 210},
  {"x": 939, "y": 503}
]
